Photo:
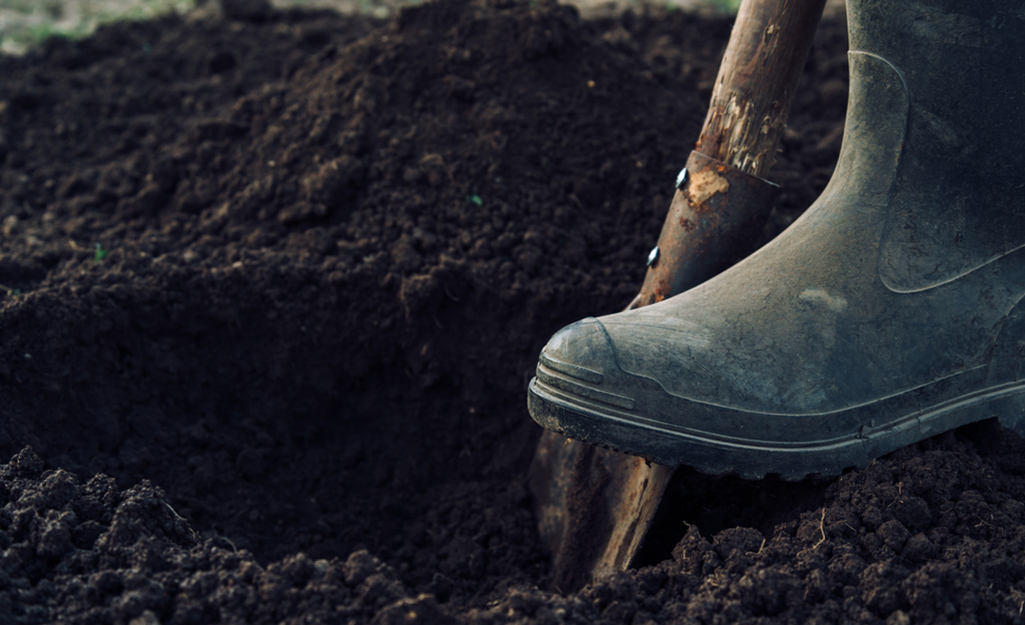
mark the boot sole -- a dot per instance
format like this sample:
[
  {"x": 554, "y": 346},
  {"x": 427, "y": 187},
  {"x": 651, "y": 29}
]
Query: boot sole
[{"x": 587, "y": 416}]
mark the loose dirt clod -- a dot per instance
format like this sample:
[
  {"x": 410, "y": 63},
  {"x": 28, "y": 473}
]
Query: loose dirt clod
[{"x": 293, "y": 387}]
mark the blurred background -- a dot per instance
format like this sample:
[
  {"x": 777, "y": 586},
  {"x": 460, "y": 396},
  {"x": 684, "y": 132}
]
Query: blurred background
[{"x": 25, "y": 22}]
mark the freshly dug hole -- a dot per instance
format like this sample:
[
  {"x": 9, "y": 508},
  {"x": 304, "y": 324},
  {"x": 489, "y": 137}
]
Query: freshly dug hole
[{"x": 335, "y": 248}]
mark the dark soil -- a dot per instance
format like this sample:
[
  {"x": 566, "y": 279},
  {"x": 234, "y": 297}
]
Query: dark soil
[{"x": 273, "y": 287}]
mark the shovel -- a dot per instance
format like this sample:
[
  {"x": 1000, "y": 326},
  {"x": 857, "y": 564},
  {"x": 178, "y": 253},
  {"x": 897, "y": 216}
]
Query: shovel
[{"x": 594, "y": 505}]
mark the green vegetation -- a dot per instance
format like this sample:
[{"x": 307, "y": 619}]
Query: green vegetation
[
  {"x": 726, "y": 6},
  {"x": 26, "y": 22}
]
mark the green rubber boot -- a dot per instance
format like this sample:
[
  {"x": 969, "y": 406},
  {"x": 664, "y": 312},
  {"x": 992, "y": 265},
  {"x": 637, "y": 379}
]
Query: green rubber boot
[{"x": 888, "y": 313}]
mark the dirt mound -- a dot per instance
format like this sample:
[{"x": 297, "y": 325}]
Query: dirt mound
[{"x": 284, "y": 281}]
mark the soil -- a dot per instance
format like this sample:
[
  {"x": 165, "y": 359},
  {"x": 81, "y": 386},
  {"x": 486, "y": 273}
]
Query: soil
[{"x": 273, "y": 286}]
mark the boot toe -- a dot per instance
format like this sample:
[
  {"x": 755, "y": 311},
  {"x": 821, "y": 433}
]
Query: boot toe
[
  {"x": 575, "y": 368},
  {"x": 581, "y": 350}
]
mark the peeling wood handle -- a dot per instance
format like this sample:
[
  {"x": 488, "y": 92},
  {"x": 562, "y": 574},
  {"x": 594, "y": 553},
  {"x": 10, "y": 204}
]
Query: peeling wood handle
[
  {"x": 757, "y": 80},
  {"x": 723, "y": 204},
  {"x": 594, "y": 506}
]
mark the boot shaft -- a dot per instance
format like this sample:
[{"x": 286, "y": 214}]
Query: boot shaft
[{"x": 959, "y": 194}]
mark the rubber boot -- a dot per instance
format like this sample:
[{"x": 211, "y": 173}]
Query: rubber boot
[{"x": 889, "y": 312}]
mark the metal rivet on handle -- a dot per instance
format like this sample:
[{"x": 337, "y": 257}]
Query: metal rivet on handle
[
  {"x": 652, "y": 256},
  {"x": 681, "y": 178}
]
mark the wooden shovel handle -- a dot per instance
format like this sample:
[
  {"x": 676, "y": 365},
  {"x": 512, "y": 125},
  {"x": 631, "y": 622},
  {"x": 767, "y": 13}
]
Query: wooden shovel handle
[
  {"x": 722, "y": 205},
  {"x": 757, "y": 81},
  {"x": 594, "y": 506}
]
